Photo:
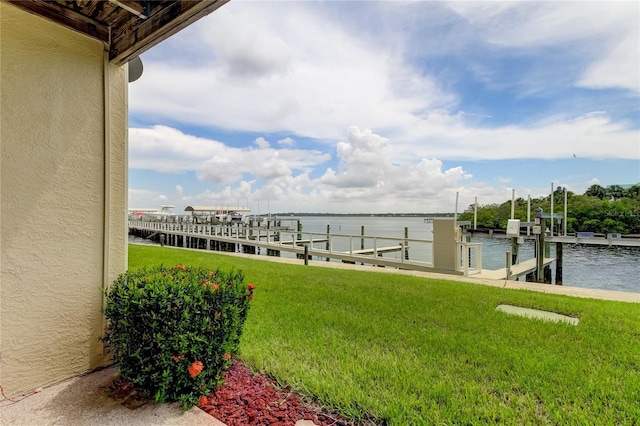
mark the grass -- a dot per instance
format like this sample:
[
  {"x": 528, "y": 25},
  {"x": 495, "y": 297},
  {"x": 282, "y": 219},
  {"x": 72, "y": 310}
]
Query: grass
[{"x": 409, "y": 350}]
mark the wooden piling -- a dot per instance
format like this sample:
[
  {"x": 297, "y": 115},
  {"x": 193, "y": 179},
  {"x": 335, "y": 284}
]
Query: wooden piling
[
  {"x": 406, "y": 243},
  {"x": 540, "y": 252},
  {"x": 558, "y": 263},
  {"x": 327, "y": 246},
  {"x": 547, "y": 274}
]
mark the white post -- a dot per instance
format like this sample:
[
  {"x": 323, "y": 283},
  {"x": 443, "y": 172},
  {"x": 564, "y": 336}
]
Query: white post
[
  {"x": 564, "y": 222},
  {"x": 455, "y": 214},
  {"x": 513, "y": 203},
  {"x": 552, "y": 209},
  {"x": 528, "y": 213},
  {"x": 475, "y": 214}
]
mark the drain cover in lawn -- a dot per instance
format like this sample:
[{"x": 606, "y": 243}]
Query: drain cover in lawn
[{"x": 535, "y": 313}]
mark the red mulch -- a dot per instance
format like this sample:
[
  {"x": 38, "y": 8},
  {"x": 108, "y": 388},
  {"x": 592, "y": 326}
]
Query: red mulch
[{"x": 246, "y": 399}]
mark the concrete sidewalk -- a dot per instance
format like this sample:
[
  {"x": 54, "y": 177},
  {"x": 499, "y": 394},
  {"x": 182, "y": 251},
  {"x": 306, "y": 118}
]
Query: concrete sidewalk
[
  {"x": 565, "y": 290},
  {"x": 85, "y": 400}
]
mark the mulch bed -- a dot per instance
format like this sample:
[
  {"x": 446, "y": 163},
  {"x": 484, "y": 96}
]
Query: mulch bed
[
  {"x": 244, "y": 399},
  {"x": 247, "y": 399}
]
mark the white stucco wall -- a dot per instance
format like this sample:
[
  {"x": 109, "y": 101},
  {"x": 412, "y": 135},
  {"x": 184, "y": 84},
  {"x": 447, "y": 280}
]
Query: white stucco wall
[{"x": 52, "y": 199}]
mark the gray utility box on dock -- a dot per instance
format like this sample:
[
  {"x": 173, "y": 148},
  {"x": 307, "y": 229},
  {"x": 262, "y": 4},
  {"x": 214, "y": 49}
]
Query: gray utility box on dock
[{"x": 513, "y": 227}]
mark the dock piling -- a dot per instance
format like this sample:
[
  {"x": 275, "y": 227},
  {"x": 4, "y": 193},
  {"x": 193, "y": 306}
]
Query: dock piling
[
  {"x": 405, "y": 243},
  {"x": 558, "y": 263},
  {"x": 328, "y": 245}
]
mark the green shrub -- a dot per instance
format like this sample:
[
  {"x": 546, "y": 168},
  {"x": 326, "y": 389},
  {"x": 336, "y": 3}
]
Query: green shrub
[{"x": 173, "y": 331}]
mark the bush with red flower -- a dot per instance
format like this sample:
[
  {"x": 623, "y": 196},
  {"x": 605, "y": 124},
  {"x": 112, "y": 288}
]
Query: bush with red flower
[{"x": 173, "y": 331}]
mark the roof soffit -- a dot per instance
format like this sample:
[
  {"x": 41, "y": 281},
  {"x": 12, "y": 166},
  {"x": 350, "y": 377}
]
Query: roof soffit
[{"x": 127, "y": 28}]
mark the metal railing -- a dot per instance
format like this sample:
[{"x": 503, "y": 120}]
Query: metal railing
[
  {"x": 469, "y": 258},
  {"x": 346, "y": 247}
]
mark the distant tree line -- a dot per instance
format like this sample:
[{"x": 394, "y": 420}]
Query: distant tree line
[{"x": 613, "y": 209}]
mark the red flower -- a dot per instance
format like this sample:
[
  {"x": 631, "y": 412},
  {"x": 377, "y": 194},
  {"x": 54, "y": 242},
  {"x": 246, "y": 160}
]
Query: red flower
[
  {"x": 227, "y": 357},
  {"x": 210, "y": 284},
  {"x": 251, "y": 297},
  {"x": 203, "y": 400},
  {"x": 177, "y": 358},
  {"x": 251, "y": 286},
  {"x": 195, "y": 369},
  {"x": 218, "y": 314},
  {"x": 182, "y": 267}
]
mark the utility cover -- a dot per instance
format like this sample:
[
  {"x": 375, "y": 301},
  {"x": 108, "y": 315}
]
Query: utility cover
[{"x": 535, "y": 313}]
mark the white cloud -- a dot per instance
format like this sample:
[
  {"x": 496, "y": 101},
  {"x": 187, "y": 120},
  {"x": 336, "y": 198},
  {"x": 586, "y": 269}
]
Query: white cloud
[
  {"x": 322, "y": 79},
  {"x": 605, "y": 33},
  {"x": 619, "y": 68},
  {"x": 287, "y": 142},
  {"x": 262, "y": 143},
  {"x": 145, "y": 199},
  {"x": 592, "y": 135},
  {"x": 165, "y": 149},
  {"x": 365, "y": 177}
]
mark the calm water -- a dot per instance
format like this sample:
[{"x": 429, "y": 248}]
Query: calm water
[{"x": 602, "y": 267}]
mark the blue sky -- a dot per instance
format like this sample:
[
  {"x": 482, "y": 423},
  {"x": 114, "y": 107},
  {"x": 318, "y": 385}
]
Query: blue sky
[{"x": 375, "y": 107}]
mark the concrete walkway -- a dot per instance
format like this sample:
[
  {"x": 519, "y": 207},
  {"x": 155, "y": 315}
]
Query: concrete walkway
[
  {"x": 589, "y": 293},
  {"x": 84, "y": 401}
]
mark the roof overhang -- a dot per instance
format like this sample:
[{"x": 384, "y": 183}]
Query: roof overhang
[{"x": 127, "y": 28}]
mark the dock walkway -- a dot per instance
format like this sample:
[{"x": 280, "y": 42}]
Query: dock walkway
[
  {"x": 517, "y": 270},
  {"x": 247, "y": 239}
]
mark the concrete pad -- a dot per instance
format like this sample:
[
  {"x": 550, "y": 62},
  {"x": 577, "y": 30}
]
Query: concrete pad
[
  {"x": 85, "y": 401},
  {"x": 538, "y": 314}
]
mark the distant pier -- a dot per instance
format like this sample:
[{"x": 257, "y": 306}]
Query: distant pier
[{"x": 586, "y": 238}]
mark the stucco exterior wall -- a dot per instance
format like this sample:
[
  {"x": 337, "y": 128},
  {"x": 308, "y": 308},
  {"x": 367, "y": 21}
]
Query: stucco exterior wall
[{"x": 52, "y": 199}]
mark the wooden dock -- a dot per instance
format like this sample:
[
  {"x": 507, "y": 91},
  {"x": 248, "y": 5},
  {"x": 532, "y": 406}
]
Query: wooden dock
[
  {"x": 243, "y": 238},
  {"x": 594, "y": 241},
  {"x": 303, "y": 242},
  {"x": 620, "y": 241},
  {"x": 378, "y": 250},
  {"x": 515, "y": 272},
  {"x": 465, "y": 259}
]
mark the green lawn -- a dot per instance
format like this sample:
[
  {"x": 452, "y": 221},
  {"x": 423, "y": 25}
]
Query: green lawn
[{"x": 408, "y": 350}]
